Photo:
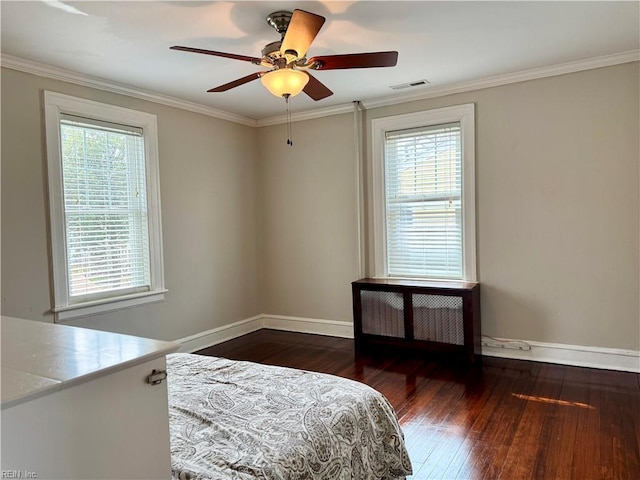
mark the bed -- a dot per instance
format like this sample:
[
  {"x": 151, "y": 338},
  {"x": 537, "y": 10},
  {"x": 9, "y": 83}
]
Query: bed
[{"x": 244, "y": 421}]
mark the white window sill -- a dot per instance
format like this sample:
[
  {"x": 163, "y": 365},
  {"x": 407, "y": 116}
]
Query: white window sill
[{"x": 96, "y": 307}]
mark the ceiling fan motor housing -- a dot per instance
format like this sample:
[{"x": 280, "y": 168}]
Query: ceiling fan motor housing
[{"x": 272, "y": 51}]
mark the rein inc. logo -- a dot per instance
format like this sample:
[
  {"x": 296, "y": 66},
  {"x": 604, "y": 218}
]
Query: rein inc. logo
[{"x": 18, "y": 474}]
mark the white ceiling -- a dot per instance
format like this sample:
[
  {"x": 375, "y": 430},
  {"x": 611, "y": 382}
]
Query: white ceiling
[{"x": 444, "y": 42}]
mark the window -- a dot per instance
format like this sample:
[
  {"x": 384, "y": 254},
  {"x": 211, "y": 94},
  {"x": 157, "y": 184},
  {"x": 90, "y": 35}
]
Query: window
[
  {"x": 424, "y": 195},
  {"x": 104, "y": 205}
]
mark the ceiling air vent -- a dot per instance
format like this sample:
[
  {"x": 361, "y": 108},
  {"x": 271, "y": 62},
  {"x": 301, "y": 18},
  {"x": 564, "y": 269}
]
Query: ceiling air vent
[{"x": 417, "y": 83}]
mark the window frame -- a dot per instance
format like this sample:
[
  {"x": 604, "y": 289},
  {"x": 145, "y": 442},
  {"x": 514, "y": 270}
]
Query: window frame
[
  {"x": 465, "y": 115},
  {"x": 56, "y": 104}
]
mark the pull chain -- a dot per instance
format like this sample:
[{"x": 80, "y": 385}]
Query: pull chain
[{"x": 289, "y": 141}]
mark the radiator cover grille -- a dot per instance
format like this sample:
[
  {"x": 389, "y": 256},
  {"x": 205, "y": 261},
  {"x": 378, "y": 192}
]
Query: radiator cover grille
[
  {"x": 438, "y": 318},
  {"x": 382, "y": 313}
]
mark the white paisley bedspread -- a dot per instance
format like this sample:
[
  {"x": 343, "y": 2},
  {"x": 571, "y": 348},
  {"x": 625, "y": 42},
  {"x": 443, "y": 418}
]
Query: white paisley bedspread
[{"x": 242, "y": 420}]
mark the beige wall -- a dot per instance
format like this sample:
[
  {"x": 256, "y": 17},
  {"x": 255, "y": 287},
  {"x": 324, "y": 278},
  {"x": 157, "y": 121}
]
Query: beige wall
[
  {"x": 557, "y": 163},
  {"x": 209, "y": 218},
  {"x": 308, "y": 211},
  {"x": 558, "y": 208}
]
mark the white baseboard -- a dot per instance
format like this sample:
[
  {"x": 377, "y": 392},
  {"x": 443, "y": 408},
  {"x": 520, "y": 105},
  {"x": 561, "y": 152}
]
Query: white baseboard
[
  {"x": 331, "y": 328},
  {"x": 214, "y": 336},
  {"x": 218, "y": 335},
  {"x": 558, "y": 353},
  {"x": 575, "y": 355}
]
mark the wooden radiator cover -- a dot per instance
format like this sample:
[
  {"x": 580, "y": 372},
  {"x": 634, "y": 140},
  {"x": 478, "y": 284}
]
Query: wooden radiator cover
[{"x": 425, "y": 315}]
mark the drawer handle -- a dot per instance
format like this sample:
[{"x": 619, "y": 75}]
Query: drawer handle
[{"x": 157, "y": 377}]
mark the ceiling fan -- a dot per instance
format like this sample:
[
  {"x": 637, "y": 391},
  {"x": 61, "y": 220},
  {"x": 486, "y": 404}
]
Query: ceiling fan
[{"x": 289, "y": 68}]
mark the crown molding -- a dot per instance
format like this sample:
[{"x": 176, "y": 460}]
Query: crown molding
[
  {"x": 500, "y": 80},
  {"x": 56, "y": 73},
  {"x": 488, "y": 82},
  {"x": 308, "y": 115},
  {"x": 48, "y": 71}
]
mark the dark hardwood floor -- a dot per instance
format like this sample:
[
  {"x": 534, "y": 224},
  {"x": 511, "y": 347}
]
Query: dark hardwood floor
[{"x": 506, "y": 419}]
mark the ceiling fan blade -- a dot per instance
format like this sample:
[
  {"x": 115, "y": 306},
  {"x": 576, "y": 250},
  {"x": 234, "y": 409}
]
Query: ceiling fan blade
[
  {"x": 244, "y": 58},
  {"x": 316, "y": 89},
  {"x": 236, "y": 83},
  {"x": 302, "y": 29},
  {"x": 354, "y": 60}
]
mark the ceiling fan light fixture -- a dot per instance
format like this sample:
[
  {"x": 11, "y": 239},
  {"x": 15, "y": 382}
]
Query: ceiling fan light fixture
[
  {"x": 285, "y": 81},
  {"x": 297, "y": 30}
]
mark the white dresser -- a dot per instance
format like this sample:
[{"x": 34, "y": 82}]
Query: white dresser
[{"x": 77, "y": 404}]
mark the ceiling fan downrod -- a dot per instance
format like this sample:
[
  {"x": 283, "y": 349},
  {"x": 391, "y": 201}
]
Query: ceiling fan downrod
[{"x": 280, "y": 21}]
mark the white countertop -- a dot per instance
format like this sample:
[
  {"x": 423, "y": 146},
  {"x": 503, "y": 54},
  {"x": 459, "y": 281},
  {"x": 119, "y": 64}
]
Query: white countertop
[{"x": 39, "y": 358}]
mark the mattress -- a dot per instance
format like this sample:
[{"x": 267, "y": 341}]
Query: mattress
[{"x": 243, "y": 420}]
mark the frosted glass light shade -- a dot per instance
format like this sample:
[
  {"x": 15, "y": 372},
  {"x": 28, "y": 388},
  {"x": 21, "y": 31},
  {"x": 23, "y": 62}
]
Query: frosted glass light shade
[{"x": 285, "y": 81}]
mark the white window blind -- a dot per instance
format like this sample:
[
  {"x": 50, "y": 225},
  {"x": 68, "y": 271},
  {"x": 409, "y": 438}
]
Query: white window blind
[
  {"x": 423, "y": 200},
  {"x": 105, "y": 208}
]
